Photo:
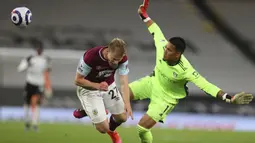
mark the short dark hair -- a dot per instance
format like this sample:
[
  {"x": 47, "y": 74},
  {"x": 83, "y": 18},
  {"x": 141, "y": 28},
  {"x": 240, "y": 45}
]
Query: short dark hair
[
  {"x": 179, "y": 43},
  {"x": 37, "y": 44}
]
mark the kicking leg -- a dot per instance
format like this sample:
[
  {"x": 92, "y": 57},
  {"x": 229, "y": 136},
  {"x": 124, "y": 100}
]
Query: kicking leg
[
  {"x": 144, "y": 129},
  {"x": 116, "y": 120},
  {"x": 80, "y": 113},
  {"x": 157, "y": 112},
  {"x": 115, "y": 105},
  {"x": 94, "y": 106}
]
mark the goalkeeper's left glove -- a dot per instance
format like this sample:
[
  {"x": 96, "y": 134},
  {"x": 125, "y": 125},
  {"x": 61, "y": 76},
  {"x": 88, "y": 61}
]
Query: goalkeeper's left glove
[
  {"x": 239, "y": 98},
  {"x": 48, "y": 93},
  {"x": 142, "y": 11}
]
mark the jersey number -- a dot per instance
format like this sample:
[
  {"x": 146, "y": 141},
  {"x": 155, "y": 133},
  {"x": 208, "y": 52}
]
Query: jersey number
[
  {"x": 161, "y": 114},
  {"x": 112, "y": 93}
]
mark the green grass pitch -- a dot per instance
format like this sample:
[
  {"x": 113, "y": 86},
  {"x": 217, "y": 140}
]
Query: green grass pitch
[{"x": 13, "y": 132}]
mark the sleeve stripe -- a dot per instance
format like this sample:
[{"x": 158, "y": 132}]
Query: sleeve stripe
[
  {"x": 83, "y": 68},
  {"x": 123, "y": 68},
  {"x": 181, "y": 65}
]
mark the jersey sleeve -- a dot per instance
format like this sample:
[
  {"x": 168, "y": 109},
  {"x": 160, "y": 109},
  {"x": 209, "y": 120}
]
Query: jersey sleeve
[
  {"x": 49, "y": 64},
  {"x": 193, "y": 76},
  {"x": 123, "y": 67},
  {"x": 159, "y": 39},
  {"x": 84, "y": 66},
  {"x": 24, "y": 64}
]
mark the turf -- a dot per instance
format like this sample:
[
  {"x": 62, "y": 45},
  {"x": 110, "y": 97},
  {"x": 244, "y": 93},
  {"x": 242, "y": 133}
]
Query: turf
[{"x": 13, "y": 132}]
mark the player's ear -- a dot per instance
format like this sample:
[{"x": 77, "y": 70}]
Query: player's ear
[{"x": 178, "y": 54}]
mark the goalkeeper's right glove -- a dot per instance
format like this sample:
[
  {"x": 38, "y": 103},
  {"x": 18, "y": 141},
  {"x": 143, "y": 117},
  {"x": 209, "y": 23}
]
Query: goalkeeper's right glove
[
  {"x": 239, "y": 98},
  {"x": 142, "y": 11},
  {"x": 242, "y": 98}
]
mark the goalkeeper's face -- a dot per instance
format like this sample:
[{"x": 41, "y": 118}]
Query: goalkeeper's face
[{"x": 170, "y": 53}]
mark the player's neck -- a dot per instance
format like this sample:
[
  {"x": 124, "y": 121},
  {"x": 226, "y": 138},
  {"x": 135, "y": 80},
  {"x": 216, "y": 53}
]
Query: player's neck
[
  {"x": 173, "y": 63},
  {"x": 105, "y": 53}
]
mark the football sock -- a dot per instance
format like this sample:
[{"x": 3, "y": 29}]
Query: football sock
[{"x": 145, "y": 135}]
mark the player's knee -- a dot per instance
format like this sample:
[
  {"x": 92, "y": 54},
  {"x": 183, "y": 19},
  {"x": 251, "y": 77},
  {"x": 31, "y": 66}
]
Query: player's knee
[
  {"x": 35, "y": 99},
  {"x": 102, "y": 129},
  {"x": 123, "y": 119},
  {"x": 120, "y": 118}
]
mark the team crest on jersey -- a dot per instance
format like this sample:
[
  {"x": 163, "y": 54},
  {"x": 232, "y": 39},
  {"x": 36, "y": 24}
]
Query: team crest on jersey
[
  {"x": 175, "y": 74},
  {"x": 100, "y": 67},
  {"x": 105, "y": 73},
  {"x": 95, "y": 112}
]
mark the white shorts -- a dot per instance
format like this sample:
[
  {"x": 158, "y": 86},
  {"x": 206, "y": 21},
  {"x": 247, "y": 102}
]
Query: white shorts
[{"x": 95, "y": 102}]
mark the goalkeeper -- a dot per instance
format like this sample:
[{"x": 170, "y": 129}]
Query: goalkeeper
[{"x": 167, "y": 85}]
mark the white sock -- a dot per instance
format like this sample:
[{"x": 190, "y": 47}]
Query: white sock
[
  {"x": 26, "y": 113},
  {"x": 36, "y": 112}
]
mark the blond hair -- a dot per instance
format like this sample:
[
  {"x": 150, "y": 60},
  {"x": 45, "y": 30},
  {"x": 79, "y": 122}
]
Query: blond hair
[{"x": 117, "y": 45}]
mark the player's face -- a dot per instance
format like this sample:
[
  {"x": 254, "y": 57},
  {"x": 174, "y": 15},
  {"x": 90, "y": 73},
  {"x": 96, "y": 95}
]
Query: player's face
[
  {"x": 39, "y": 51},
  {"x": 114, "y": 59},
  {"x": 170, "y": 53}
]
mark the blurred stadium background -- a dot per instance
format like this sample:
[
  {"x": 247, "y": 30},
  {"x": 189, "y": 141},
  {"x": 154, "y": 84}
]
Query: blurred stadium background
[{"x": 220, "y": 39}]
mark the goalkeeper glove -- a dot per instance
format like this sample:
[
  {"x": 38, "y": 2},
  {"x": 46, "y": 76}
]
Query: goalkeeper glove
[
  {"x": 239, "y": 98},
  {"x": 48, "y": 93},
  {"x": 142, "y": 11}
]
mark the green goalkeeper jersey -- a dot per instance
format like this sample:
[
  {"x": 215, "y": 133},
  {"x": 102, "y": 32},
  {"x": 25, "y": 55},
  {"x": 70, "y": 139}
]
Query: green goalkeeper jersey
[{"x": 173, "y": 79}]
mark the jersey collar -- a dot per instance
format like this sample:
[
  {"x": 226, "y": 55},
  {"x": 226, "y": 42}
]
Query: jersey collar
[
  {"x": 101, "y": 54},
  {"x": 174, "y": 63}
]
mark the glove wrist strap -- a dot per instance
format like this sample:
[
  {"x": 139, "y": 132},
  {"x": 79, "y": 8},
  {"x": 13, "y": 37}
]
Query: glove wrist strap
[
  {"x": 226, "y": 98},
  {"x": 146, "y": 19}
]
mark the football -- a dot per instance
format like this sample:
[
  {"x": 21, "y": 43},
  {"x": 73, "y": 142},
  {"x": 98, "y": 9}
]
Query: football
[{"x": 21, "y": 16}]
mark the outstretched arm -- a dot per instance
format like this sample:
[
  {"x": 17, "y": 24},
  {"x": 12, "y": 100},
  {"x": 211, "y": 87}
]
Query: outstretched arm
[
  {"x": 152, "y": 26},
  {"x": 209, "y": 88},
  {"x": 142, "y": 11},
  {"x": 158, "y": 36}
]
